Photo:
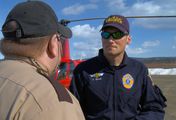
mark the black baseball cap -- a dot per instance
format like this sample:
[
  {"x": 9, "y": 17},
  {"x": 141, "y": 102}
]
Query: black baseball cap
[
  {"x": 118, "y": 21},
  {"x": 34, "y": 19}
]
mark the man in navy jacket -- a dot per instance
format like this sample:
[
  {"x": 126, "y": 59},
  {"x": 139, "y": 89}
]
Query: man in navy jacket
[{"x": 113, "y": 86}]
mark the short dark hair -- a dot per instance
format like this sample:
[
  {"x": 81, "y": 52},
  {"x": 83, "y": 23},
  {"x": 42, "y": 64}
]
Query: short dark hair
[{"x": 32, "y": 49}]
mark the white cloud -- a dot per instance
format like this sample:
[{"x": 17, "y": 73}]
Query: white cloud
[
  {"x": 87, "y": 41},
  {"x": 78, "y": 9},
  {"x": 135, "y": 51},
  {"x": 155, "y": 8},
  {"x": 144, "y": 47},
  {"x": 86, "y": 31},
  {"x": 146, "y": 8},
  {"x": 153, "y": 43},
  {"x": 161, "y": 23},
  {"x": 84, "y": 46},
  {"x": 116, "y": 5},
  {"x": 143, "y": 7},
  {"x": 81, "y": 55}
]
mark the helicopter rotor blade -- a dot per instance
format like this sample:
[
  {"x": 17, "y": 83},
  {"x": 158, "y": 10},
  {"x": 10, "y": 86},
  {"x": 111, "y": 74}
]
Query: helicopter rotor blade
[
  {"x": 98, "y": 18},
  {"x": 65, "y": 22}
]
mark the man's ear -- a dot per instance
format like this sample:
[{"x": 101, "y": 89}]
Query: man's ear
[
  {"x": 128, "y": 39},
  {"x": 52, "y": 50}
]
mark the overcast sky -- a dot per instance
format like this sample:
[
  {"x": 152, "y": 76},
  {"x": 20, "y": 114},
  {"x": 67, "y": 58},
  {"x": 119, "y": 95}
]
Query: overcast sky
[{"x": 150, "y": 37}]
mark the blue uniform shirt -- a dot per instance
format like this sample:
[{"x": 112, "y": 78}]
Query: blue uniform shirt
[{"x": 117, "y": 93}]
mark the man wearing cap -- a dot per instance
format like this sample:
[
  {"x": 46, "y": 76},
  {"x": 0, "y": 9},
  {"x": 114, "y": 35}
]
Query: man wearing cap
[
  {"x": 32, "y": 49},
  {"x": 113, "y": 86}
]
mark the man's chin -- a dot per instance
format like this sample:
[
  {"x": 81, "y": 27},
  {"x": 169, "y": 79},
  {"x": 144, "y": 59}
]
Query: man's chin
[{"x": 111, "y": 53}]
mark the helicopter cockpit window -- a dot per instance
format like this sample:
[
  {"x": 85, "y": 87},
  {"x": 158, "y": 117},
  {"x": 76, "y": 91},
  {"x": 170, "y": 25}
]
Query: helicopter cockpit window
[
  {"x": 62, "y": 71},
  {"x": 72, "y": 66},
  {"x": 66, "y": 70}
]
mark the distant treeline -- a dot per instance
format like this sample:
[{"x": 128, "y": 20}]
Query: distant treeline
[{"x": 159, "y": 62}]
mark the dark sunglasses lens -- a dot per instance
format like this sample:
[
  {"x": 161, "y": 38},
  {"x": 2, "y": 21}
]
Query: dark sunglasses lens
[
  {"x": 105, "y": 35},
  {"x": 118, "y": 35}
]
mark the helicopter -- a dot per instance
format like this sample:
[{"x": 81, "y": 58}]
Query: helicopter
[
  {"x": 65, "y": 69},
  {"x": 64, "y": 72}
]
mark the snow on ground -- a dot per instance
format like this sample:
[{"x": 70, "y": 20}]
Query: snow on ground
[{"x": 162, "y": 71}]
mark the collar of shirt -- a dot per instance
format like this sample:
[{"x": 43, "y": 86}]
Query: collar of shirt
[{"x": 125, "y": 60}]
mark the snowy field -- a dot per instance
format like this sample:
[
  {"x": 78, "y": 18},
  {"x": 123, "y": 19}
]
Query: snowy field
[{"x": 162, "y": 71}]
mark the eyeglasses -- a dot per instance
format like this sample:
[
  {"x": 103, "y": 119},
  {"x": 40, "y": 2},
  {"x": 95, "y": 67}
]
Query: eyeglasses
[
  {"x": 115, "y": 35},
  {"x": 61, "y": 38}
]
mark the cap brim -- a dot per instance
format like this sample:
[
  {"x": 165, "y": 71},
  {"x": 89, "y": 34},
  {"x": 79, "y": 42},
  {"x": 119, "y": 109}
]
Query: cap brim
[
  {"x": 115, "y": 26},
  {"x": 65, "y": 31}
]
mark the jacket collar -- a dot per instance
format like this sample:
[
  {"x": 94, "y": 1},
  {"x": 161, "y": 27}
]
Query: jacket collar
[{"x": 124, "y": 62}]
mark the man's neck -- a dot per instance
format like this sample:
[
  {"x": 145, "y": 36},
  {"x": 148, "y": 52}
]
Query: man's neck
[
  {"x": 44, "y": 65},
  {"x": 115, "y": 60}
]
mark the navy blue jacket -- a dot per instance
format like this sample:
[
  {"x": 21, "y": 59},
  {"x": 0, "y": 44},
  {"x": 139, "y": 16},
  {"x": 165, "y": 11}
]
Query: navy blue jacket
[{"x": 116, "y": 93}]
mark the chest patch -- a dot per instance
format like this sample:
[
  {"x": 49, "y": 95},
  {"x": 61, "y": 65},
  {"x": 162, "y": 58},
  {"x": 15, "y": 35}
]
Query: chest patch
[
  {"x": 127, "y": 81},
  {"x": 97, "y": 76}
]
